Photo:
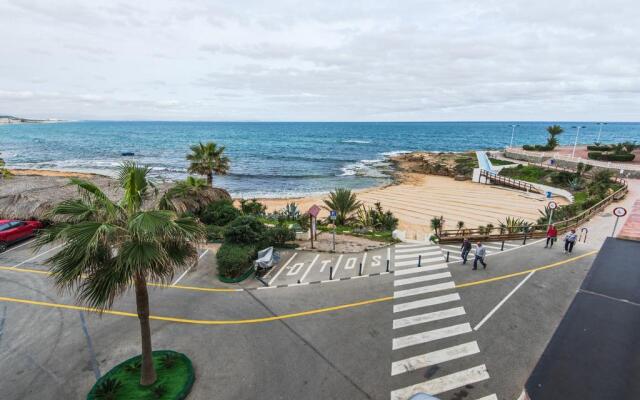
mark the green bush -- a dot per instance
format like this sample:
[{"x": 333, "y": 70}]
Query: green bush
[
  {"x": 561, "y": 177},
  {"x": 215, "y": 233},
  {"x": 252, "y": 207},
  {"x": 599, "y": 148},
  {"x": 234, "y": 259},
  {"x": 245, "y": 229},
  {"x": 219, "y": 213},
  {"x": 537, "y": 147},
  {"x": 277, "y": 236},
  {"x": 596, "y": 155}
]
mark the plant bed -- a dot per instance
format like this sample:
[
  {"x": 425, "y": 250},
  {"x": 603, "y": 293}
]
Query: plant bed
[{"x": 175, "y": 379}]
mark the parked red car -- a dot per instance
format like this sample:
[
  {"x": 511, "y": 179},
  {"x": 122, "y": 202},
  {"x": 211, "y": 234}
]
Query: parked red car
[{"x": 12, "y": 231}]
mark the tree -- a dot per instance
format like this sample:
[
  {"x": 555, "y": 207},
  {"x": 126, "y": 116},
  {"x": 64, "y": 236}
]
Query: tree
[
  {"x": 436, "y": 225},
  {"x": 109, "y": 247},
  {"x": 344, "y": 202},
  {"x": 553, "y": 130},
  {"x": 460, "y": 226},
  {"x": 4, "y": 173},
  {"x": 208, "y": 159},
  {"x": 192, "y": 194}
]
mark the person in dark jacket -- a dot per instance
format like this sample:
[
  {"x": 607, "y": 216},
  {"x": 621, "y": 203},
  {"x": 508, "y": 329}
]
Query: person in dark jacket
[{"x": 465, "y": 248}]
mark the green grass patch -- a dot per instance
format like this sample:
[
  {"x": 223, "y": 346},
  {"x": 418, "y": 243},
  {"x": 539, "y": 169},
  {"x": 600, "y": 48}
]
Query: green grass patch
[
  {"x": 527, "y": 173},
  {"x": 175, "y": 379},
  {"x": 580, "y": 197},
  {"x": 497, "y": 161},
  {"x": 380, "y": 236}
]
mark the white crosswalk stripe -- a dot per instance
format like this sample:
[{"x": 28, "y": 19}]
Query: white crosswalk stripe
[
  {"x": 416, "y": 270},
  {"x": 490, "y": 397},
  {"x": 434, "y": 358},
  {"x": 430, "y": 336},
  {"x": 443, "y": 384},
  {"x": 432, "y": 301},
  {"x": 428, "y": 317},
  {"x": 422, "y": 278},
  {"x": 435, "y": 343}
]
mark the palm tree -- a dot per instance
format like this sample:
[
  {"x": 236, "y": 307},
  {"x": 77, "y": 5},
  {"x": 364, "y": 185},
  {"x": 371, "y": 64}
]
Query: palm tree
[
  {"x": 436, "y": 225},
  {"x": 208, "y": 159},
  {"x": 344, "y": 202},
  {"x": 553, "y": 130},
  {"x": 191, "y": 194},
  {"x": 110, "y": 246}
]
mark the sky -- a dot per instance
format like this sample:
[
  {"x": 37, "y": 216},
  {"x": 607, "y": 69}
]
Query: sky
[{"x": 327, "y": 60}]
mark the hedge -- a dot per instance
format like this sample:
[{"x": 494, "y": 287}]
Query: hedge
[
  {"x": 599, "y": 148},
  {"x": 597, "y": 155},
  {"x": 234, "y": 259},
  {"x": 537, "y": 147}
]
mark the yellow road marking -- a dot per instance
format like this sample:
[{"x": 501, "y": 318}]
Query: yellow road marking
[
  {"x": 265, "y": 319},
  {"x": 507, "y": 276},
  {"x": 200, "y": 321}
]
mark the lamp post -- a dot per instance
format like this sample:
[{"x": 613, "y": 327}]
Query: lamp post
[
  {"x": 513, "y": 132},
  {"x": 573, "y": 153},
  {"x": 600, "y": 130}
]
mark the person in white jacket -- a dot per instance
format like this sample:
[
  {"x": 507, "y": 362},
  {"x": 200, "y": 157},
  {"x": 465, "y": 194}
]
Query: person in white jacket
[
  {"x": 480, "y": 254},
  {"x": 569, "y": 241}
]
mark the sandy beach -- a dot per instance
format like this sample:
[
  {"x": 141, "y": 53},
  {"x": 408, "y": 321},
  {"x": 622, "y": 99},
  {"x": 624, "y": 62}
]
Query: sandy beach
[{"x": 414, "y": 199}]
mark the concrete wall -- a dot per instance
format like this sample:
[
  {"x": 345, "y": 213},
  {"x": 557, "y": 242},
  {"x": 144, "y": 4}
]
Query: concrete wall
[{"x": 570, "y": 164}]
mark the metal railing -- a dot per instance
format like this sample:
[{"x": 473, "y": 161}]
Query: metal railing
[
  {"x": 506, "y": 181},
  {"x": 532, "y": 230}
]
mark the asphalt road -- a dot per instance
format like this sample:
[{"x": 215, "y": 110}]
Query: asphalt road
[{"x": 240, "y": 351}]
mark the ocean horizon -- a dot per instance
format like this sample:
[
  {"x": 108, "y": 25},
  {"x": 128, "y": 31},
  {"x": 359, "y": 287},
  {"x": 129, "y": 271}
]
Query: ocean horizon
[{"x": 273, "y": 159}]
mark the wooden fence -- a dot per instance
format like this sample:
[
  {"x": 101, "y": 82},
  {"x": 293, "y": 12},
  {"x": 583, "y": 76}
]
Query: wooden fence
[{"x": 533, "y": 230}]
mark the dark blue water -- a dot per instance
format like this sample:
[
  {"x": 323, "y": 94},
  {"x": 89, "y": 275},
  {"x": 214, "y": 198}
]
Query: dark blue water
[{"x": 271, "y": 158}]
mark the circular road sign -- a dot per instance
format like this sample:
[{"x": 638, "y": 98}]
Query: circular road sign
[
  {"x": 619, "y": 211},
  {"x": 553, "y": 205}
]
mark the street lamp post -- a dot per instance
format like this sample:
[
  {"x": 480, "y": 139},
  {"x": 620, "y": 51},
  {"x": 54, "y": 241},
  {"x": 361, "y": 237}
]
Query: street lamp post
[
  {"x": 575, "y": 143},
  {"x": 513, "y": 132},
  {"x": 600, "y": 130}
]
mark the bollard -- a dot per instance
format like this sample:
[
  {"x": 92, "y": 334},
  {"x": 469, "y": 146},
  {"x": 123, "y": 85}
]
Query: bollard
[
  {"x": 419, "y": 260},
  {"x": 299, "y": 281},
  {"x": 387, "y": 265},
  {"x": 330, "y": 272},
  {"x": 360, "y": 270},
  {"x": 447, "y": 256},
  {"x": 502, "y": 247}
]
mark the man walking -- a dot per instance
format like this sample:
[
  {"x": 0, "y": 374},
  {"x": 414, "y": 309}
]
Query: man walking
[
  {"x": 480, "y": 253},
  {"x": 552, "y": 236},
  {"x": 569, "y": 241},
  {"x": 466, "y": 248}
]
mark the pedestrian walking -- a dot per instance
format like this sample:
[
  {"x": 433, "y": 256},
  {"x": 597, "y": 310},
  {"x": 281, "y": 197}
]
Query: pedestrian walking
[
  {"x": 569, "y": 241},
  {"x": 480, "y": 253},
  {"x": 552, "y": 236},
  {"x": 465, "y": 248}
]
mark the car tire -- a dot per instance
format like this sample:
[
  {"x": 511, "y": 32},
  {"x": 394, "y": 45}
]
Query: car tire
[{"x": 3, "y": 247}]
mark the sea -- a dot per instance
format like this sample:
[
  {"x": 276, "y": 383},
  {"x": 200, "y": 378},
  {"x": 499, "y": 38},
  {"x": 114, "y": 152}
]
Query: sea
[{"x": 273, "y": 159}]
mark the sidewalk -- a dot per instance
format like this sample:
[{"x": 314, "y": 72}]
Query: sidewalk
[{"x": 631, "y": 228}]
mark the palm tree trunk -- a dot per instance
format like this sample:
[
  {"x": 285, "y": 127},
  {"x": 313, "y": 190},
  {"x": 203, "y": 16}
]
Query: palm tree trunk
[
  {"x": 148, "y": 372},
  {"x": 210, "y": 179}
]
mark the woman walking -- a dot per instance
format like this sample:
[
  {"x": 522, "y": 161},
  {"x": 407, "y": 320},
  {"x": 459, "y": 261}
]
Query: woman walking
[{"x": 552, "y": 236}]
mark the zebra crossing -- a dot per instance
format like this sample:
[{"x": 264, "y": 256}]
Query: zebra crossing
[
  {"x": 433, "y": 348},
  {"x": 492, "y": 248}
]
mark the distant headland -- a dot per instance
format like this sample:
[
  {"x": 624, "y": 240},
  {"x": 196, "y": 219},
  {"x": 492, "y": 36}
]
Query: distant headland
[{"x": 9, "y": 119}]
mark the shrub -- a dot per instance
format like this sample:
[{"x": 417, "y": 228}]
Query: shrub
[
  {"x": 133, "y": 368},
  {"x": 245, "y": 229},
  {"x": 596, "y": 155},
  {"x": 561, "y": 177},
  {"x": 159, "y": 391},
  {"x": 168, "y": 361},
  {"x": 219, "y": 213},
  {"x": 599, "y": 148},
  {"x": 234, "y": 259},
  {"x": 252, "y": 207},
  {"x": 537, "y": 147},
  {"x": 277, "y": 236},
  {"x": 215, "y": 233}
]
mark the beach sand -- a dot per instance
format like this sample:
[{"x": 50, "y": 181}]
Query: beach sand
[
  {"x": 414, "y": 199},
  {"x": 418, "y": 198}
]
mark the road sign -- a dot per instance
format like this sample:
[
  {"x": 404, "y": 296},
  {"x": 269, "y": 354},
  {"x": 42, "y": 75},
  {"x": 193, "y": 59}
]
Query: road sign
[
  {"x": 333, "y": 214},
  {"x": 314, "y": 210},
  {"x": 553, "y": 205},
  {"x": 619, "y": 212}
]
